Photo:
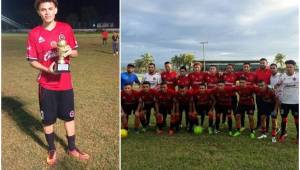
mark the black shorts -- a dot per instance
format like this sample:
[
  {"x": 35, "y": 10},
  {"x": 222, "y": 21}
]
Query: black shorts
[
  {"x": 129, "y": 108},
  {"x": 165, "y": 109},
  {"x": 185, "y": 108},
  {"x": 223, "y": 109},
  {"x": 286, "y": 108},
  {"x": 56, "y": 104},
  {"x": 148, "y": 106},
  {"x": 203, "y": 109},
  {"x": 265, "y": 108},
  {"x": 241, "y": 109}
]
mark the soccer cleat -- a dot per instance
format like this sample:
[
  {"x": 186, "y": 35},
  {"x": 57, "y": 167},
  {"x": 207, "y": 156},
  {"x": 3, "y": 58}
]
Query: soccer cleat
[
  {"x": 277, "y": 131},
  {"x": 210, "y": 131},
  {"x": 237, "y": 133},
  {"x": 76, "y": 153},
  {"x": 143, "y": 130},
  {"x": 51, "y": 158},
  {"x": 262, "y": 136},
  {"x": 242, "y": 129},
  {"x": 217, "y": 131},
  {"x": 171, "y": 132},
  {"x": 230, "y": 133},
  {"x": 274, "y": 140},
  {"x": 159, "y": 132},
  {"x": 252, "y": 135},
  {"x": 281, "y": 138}
]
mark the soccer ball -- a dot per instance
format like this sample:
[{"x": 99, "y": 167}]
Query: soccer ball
[
  {"x": 198, "y": 130},
  {"x": 124, "y": 133}
]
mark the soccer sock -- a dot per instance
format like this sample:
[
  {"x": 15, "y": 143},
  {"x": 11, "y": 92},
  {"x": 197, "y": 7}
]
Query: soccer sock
[
  {"x": 283, "y": 125},
  {"x": 50, "y": 141},
  {"x": 217, "y": 122},
  {"x": 267, "y": 123},
  {"x": 202, "y": 119},
  {"x": 273, "y": 132},
  {"x": 148, "y": 113},
  {"x": 243, "y": 119},
  {"x": 71, "y": 142},
  {"x": 210, "y": 121},
  {"x": 223, "y": 117},
  {"x": 251, "y": 130},
  {"x": 229, "y": 119}
]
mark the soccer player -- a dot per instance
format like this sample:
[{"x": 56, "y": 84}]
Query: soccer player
[
  {"x": 197, "y": 77},
  {"x": 129, "y": 105},
  {"x": 212, "y": 77},
  {"x": 104, "y": 35},
  {"x": 56, "y": 96},
  {"x": 169, "y": 76},
  {"x": 245, "y": 104},
  {"x": 152, "y": 76},
  {"x": 203, "y": 104},
  {"x": 129, "y": 76},
  {"x": 223, "y": 97},
  {"x": 266, "y": 104},
  {"x": 146, "y": 103},
  {"x": 164, "y": 104},
  {"x": 115, "y": 43},
  {"x": 183, "y": 99},
  {"x": 183, "y": 79},
  {"x": 289, "y": 83}
]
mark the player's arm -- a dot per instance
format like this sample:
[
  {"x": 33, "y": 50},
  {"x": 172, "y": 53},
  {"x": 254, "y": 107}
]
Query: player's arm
[
  {"x": 139, "y": 107},
  {"x": 213, "y": 100},
  {"x": 35, "y": 64},
  {"x": 156, "y": 106},
  {"x": 175, "y": 106}
]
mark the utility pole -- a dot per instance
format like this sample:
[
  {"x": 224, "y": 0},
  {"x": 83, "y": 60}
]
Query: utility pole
[{"x": 203, "y": 42}]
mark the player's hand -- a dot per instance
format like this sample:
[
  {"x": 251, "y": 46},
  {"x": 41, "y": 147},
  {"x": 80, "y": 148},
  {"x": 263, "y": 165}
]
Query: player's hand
[
  {"x": 51, "y": 68},
  {"x": 68, "y": 52}
]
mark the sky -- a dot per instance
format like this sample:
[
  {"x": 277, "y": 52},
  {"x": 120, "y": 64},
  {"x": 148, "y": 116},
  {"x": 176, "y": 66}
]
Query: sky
[{"x": 234, "y": 29}]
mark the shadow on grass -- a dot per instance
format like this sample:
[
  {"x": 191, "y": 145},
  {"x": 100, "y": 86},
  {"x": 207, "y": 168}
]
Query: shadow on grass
[{"x": 25, "y": 121}]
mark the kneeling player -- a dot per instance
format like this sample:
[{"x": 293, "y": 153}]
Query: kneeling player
[
  {"x": 129, "y": 104},
  {"x": 164, "y": 104},
  {"x": 266, "y": 104},
  {"x": 223, "y": 96},
  {"x": 245, "y": 105}
]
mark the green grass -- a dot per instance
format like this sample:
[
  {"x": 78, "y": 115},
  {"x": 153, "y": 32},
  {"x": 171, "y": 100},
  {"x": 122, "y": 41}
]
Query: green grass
[
  {"x": 187, "y": 151},
  {"x": 95, "y": 79}
]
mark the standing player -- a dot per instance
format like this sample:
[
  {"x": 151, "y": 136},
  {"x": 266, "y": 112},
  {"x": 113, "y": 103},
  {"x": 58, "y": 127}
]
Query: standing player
[
  {"x": 183, "y": 79},
  {"x": 55, "y": 89},
  {"x": 212, "y": 77},
  {"x": 129, "y": 104},
  {"x": 289, "y": 83},
  {"x": 129, "y": 77},
  {"x": 197, "y": 77},
  {"x": 245, "y": 104},
  {"x": 223, "y": 97},
  {"x": 266, "y": 104},
  {"x": 164, "y": 104},
  {"x": 115, "y": 43},
  {"x": 104, "y": 35},
  {"x": 146, "y": 103},
  {"x": 169, "y": 76},
  {"x": 152, "y": 76}
]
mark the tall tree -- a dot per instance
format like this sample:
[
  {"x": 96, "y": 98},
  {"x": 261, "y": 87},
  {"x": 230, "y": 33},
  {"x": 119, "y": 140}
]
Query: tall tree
[
  {"x": 142, "y": 63},
  {"x": 279, "y": 59}
]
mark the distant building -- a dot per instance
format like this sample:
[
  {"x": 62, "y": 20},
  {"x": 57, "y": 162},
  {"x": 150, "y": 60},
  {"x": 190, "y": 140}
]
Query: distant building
[
  {"x": 105, "y": 25},
  {"x": 221, "y": 64}
]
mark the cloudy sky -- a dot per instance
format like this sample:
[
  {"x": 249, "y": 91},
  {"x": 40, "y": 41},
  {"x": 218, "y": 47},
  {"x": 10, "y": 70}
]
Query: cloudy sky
[{"x": 234, "y": 29}]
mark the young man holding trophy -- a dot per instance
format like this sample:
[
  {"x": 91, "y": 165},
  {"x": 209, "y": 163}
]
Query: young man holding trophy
[{"x": 49, "y": 49}]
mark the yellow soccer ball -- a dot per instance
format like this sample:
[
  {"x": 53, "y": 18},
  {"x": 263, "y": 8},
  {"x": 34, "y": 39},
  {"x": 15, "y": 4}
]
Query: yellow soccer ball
[{"x": 124, "y": 133}]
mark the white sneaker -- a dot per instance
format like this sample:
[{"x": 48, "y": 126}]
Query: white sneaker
[
  {"x": 262, "y": 136},
  {"x": 217, "y": 131},
  {"x": 274, "y": 140}
]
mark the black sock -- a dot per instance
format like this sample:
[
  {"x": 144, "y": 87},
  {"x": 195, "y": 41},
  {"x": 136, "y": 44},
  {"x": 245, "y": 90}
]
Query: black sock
[
  {"x": 283, "y": 125},
  {"x": 243, "y": 120},
  {"x": 210, "y": 122},
  {"x": 217, "y": 123},
  {"x": 223, "y": 118},
  {"x": 202, "y": 119},
  {"x": 71, "y": 142},
  {"x": 50, "y": 141},
  {"x": 230, "y": 124}
]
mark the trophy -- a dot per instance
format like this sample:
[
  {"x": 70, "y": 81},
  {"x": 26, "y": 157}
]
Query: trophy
[{"x": 62, "y": 47}]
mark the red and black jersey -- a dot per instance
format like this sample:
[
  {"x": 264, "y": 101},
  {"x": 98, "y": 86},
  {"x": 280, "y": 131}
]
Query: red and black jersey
[
  {"x": 267, "y": 95},
  {"x": 183, "y": 81},
  {"x": 263, "y": 75},
  {"x": 246, "y": 95},
  {"x": 229, "y": 78},
  {"x": 148, "y": 97},
  {"x": 129, "y": 98},
  {"x": 223, "y": 97},
  {"x": 212, "y": 80},
  {"x": 170, "y": 78},
  {"x": 202, "y": 97},
  {"x": 196, "y": 78},
  {"x": 184, "y": 98},
  {"x": 250, "y": 77},
  {"x": 165, "y": 98}
]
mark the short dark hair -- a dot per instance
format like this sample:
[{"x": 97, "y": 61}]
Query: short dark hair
[
  {"x": 146, "y": 82},
  {"x": 273, "y": 64},
  {"x": 130, "y": 65},
  {"x": 183, "y": 67},
  {"x": 181, "y": 87},
  {"x": 263, "y": 59},
  {"x": 151, "y": 64},
  {"x": 167, "y": 62},
  {"x": 38, "y": 2},
  {"x": 202, "y": 84},
  {"x": 221, "y": 81},
  {"x": 127, "y": 84},
  {"x": 230, "y": 65},
  {"x": 246, "y": 63},
  {"x": 260, "y": 81},
  {"x": 197, "y": 63},
  {"x": 290, "y": 62},
  {"x": 163, "y": 83},
  {"x": 242, "y": 78},
  {"x": 213, "y": 65}
]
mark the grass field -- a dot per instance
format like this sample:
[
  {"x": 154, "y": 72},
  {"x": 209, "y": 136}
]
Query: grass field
[
  {"x": 187, "y": 151},
  {"x": 95, "y": 79}
]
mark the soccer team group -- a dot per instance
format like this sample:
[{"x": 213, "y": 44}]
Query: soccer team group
[{"x": 221, "y": 96}]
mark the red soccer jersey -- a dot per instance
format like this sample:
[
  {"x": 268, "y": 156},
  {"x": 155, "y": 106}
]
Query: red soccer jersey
[
  {"x": 229, "y": 78},
  {"x": 267, "y": 96},
  {"x": 246, "y": 95},
  {"x": 264, "y": 75},
  {"x": 129, "y": 98},
  {"x": 202, "y": 97},
  {"x": 170, "y": 78},
  {"x": 104, "y": 34},
  {"x": 165, "y": 98},
  {"x": 183, "y": 81},
  {"x": 40, "y": 47},
  {"x": 250, "y": 77},
  {"x": 224, "y": 97},
  {"x": 196, "y": 78},
  {"x": 211, "y": 80},
  {"x": 184, "y": 99},
  {"x": 148, "y": 97}
]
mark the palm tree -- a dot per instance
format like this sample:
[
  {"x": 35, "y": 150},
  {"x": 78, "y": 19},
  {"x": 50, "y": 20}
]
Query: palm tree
[
  {"x": 141, "y": 64},
  {"x": 176, "y": 61},
  {"x": 279, "y": 59},
  {"x": 187, "y": 59}
]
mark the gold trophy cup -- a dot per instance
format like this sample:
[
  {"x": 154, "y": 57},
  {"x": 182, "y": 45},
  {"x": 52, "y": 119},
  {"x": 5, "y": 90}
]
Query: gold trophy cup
[{"x": 62, "y": 47}]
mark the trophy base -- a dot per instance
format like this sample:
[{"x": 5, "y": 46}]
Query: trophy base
[{"x": 62, "y": 68}]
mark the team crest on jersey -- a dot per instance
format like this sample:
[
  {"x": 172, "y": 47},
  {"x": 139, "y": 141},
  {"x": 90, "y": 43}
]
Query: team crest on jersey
[
  {"x": 72, "y": 113},
  {"x": 41, "y": 39},
  {"x": 61, "y": 36}
]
